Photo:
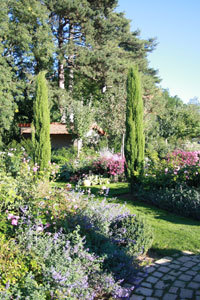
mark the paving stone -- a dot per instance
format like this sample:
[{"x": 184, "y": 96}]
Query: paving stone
[
  {"x": 138, "y": 280},
  {"x": 174, "y": 266},
  {"x": 186, "y": 293},
  {"x": 151, "y": 298},
  {"x": 136, "y": 297},
  {"x": 141, "y": 274},
  {"x": 168, "y": 278},
  {"x": 161, "y": 285},
  {"x": 163, "y": 269},
  {"x": 185, "y": 277},
  {"x": 173, "y": 290},
  {"x": 157, "y": 274},
  {"x": 152, "y": 279},
  {"x": 197, "y": 278},
  {"x": 150, "y": 269},
  {"x": 183, "y": 269},
  {"x": 146, "y": 284},
  {"x": 179, "y": 283},
  {"x": 192, "y": 273},
  {"x": 144, "y": 291},
  {"x": 196, "y": 268},
  {"x": 194, "y": 285},
  {"x": 196, "y": 258},
  {"x": 169, "y": 297},
  {"x": 158, "y": 293},
  {"x": 176, "y": 273},
  {"x": 184, "y": 259},
  {"x": 189, "y": 264}
]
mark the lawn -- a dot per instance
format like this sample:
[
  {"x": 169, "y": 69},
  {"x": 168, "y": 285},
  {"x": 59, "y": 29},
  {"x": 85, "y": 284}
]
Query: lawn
[{"x": 172, "y": 233}]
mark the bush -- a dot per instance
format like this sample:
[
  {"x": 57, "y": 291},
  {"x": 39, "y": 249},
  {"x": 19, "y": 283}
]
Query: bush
[
  {"x": 65, "y": 269},
  {"x": 99, "y": 223},
  {"x": 52, "y": 259},
  {"x": 133, "y": 233},
  {"x": 181, "y": 199},
  {"x": 12, "y": 262}
]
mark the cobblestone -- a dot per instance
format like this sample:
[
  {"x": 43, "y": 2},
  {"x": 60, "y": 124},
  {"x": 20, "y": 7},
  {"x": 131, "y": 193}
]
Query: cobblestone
[{"x": 171, "y": 278}]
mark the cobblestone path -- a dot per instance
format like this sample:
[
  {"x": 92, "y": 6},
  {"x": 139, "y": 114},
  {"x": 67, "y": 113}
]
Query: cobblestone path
[{"x": 170, "y": 278}]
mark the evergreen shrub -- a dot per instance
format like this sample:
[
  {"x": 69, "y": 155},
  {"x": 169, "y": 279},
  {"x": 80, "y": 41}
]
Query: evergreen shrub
[
  {"x": 132, "y": 233},
  {"x": 180, "y": 199}
]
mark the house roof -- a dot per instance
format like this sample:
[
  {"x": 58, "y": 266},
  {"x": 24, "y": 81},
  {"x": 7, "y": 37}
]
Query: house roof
[{"x": 57, "y": 128}]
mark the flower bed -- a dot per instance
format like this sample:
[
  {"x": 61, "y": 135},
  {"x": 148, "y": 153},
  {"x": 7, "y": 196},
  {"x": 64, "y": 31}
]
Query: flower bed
[{"x": 61, "y": 243}]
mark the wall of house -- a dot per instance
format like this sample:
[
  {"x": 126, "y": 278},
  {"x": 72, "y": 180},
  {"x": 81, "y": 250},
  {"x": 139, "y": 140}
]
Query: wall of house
[
  {"x": 57, "y": 140},
  {"x": 61, "y": 140}
]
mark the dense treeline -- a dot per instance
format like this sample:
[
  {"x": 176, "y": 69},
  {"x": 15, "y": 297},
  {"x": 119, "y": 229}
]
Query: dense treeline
[{"x": 86, "y": 48}]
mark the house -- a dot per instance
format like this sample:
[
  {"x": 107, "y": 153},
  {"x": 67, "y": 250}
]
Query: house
[{"x": 60, "y": 137}]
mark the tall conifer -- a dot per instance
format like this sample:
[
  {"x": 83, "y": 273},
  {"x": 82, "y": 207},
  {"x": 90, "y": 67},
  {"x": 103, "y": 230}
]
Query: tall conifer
[
  {"x": 41, "y": 124},
  {"x": 134, "y": 140}
]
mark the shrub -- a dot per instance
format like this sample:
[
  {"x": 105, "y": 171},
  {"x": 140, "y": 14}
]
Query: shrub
[
  {"x": 65, "y": 268},
  {"x": 12, "y": 262},
  {"x": 184, "y": 158},
  {"x": 98, "y": 220},
  {"x": 181, "y": 199},
  {"x": 111, "y": 165},
  {"x": 133, "y": 233}
]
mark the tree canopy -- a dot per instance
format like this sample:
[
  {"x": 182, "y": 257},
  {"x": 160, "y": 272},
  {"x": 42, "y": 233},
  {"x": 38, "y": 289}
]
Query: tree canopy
[{"x": 86, "y": 49}]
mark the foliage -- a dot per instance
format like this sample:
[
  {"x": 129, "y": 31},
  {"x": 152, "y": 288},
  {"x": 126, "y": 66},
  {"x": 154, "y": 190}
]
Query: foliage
[
  {"x": 169, "y": 123},
  {"x": 41, "y": 124},
  {"x": 63, "y": 155},
  {"x": 13, "y": 263},
  {"x": 109, "y": 165},
  {"x": 134, "y": 139},
  {"x": 179, "y": 167},
  {"x": 81, "y": 116},
  {"x": 133, "y": 233},
  {"x": 95, "y": 166},
  {"x": 180, "y": 199},
  {"x": 44, "y": 231}
]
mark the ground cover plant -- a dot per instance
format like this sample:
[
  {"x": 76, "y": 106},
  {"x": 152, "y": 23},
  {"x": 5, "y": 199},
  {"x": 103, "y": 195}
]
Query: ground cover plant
[{"x": 62, "y": 243}]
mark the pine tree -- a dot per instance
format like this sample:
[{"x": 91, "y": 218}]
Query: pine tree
[
  {"x": 41, "y": 124},
  {"x": 134, "y": 140}
]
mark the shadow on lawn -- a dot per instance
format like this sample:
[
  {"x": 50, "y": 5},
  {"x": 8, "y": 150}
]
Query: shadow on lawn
[{"x": 155, "y": 212}]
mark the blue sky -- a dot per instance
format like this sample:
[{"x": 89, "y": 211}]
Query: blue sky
[{"x": 176, "y": 25}]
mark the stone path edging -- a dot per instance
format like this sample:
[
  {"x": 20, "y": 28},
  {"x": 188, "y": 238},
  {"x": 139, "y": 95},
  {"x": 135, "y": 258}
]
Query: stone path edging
[{"x": 170, "y": 278}]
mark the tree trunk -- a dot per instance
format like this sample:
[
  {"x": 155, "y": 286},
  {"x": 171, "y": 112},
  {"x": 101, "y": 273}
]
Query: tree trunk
[
  {"x": 61, "y": 72},
  {"x": 71, "y": 59}
]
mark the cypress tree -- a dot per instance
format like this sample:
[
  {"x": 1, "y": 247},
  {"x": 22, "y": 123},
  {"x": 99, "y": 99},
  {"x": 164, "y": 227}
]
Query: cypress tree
[
  {"x": 41, "y": 124},
  {"x": 134, "y": 139}
]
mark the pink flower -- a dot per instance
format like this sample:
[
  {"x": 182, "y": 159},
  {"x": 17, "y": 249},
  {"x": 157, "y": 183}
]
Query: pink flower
[
  {"x": 34, "y": 169},
  {"x": 14, "y": 222},
  {"x": 47, "y": 225},
  {"x": 39, "y": 228},
  {"x": 10, "y": 216}
]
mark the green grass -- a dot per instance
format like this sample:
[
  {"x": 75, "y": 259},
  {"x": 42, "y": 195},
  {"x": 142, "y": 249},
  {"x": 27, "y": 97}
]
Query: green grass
[{"x": 172, "y": 233}]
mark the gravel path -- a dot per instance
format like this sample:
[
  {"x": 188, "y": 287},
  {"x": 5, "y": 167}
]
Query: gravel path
[{"x": 170, "y": 278}]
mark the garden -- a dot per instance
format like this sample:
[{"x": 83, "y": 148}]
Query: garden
[
  {"x": 76, "y": 232},
  {"x": 80, "y": 217}
]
